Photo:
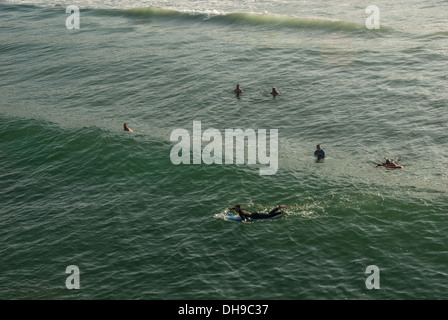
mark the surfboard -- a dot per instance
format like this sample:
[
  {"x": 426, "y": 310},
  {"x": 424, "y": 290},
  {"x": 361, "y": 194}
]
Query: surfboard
[
  {"x": 392, "y": 167},
  {"x": 231, "y": 217}
]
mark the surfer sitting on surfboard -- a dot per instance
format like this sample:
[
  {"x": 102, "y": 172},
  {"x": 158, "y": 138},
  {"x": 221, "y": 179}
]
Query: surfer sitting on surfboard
[{"x": 244, "y": 214}]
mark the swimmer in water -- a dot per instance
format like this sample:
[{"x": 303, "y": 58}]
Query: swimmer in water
[
  {"x": 126, "y": 128},
  {"x": 238, "y": 89},
  {"x": 319, "y": 153},
  {"x": 244, "y": 214},
  {"x": 274, "y": 91}
]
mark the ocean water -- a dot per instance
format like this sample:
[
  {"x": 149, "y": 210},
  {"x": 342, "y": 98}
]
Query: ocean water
[{"x": 75, "y": 189}]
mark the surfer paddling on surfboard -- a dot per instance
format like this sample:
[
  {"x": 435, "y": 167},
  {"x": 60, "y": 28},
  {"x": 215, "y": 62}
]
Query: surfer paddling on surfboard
[
  {"x": 389, "y": 164},
  {"x": 244, "y": 214}
]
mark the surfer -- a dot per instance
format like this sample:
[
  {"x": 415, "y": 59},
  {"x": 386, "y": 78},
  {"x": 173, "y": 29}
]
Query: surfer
[
  {"x": 319, "y": 153},
  {"x": 244, "y": 214},
  {"x": 388, "y": 163},
  {"x": 126, "y": 128},
  {"x": 274, "y": 91},
  {"x": 238, "y": 89}
]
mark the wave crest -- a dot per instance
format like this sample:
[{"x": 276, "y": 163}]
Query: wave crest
[{"x": 247, "y": 18}]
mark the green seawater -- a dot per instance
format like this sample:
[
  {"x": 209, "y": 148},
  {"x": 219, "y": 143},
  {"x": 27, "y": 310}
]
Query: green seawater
[{"x": 75, "y": 189}]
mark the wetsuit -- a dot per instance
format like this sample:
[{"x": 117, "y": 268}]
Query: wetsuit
[
  {"x": 320, "y": 154},
  {"x": 244, "y": 214},
  {"x": 385, "y": 164}
]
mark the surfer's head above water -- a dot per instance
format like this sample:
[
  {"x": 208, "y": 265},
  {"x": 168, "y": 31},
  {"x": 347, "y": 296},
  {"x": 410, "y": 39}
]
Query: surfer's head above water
[
  {"x": 238, "y": 89},
  {"x": 319, "y": 153}
]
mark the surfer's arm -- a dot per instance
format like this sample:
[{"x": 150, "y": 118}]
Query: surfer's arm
[
  {"x": 244, "y": 214},
  {"x": 275, "y": 210}
]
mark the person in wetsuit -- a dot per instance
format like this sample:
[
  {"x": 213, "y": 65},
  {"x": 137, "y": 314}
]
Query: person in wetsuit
[
  {"x": 238, "y": 89},
  {"x": 244, "y": 214},
  {"x": 388, "y": 163},
  {"x": 319, "y": 153}
]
